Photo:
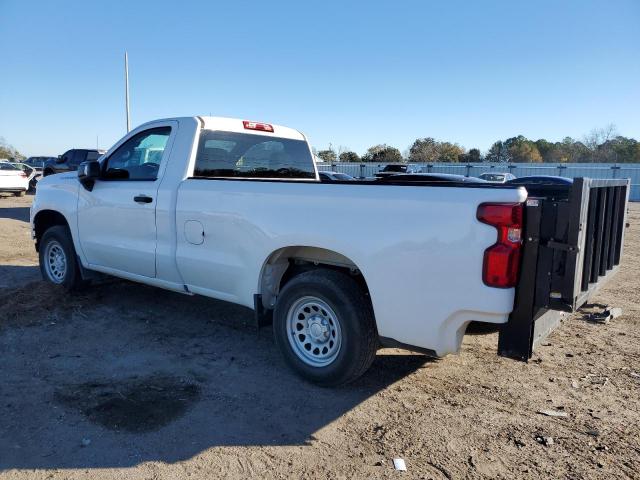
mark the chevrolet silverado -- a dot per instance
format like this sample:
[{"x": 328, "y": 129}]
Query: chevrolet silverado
[{"x": 235, "y": 210}]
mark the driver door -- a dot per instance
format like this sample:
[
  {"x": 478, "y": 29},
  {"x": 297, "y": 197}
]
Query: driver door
[{"x": 117, "y": 219}]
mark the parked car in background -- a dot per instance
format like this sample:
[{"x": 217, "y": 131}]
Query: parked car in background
[
  {"x": 495, "y": 177},
  {"x": 396, "y": 168},
  {"x": 431, "y": 177},
  {"x": 32, "y": 174},
  {"x": 541, "y": 180},
  {"x": 335, "y": 176},
  {"x": 70, "y": 160},
  {"x": 38, "y": 162},
  {"x": 13, "y": 179}
]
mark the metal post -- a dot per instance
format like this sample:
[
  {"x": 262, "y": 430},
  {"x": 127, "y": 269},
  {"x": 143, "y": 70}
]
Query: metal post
[
  {"x": 126, "y": 89},
  {"x": 560, "y": 168}
]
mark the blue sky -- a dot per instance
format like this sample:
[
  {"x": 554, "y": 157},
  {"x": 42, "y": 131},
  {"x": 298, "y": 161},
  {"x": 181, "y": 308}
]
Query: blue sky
[{"x": 353, "y": 74}]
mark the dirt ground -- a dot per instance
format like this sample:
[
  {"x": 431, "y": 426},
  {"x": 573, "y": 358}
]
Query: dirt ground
[{"x": 130, "y": 382}]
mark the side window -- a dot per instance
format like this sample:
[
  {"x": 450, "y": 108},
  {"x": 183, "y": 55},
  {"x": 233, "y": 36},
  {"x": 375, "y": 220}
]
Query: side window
[
  {"x": 78, "y": 157},
  {"x": 243, "y": 155},
  {"x": 139, "y": 157}
]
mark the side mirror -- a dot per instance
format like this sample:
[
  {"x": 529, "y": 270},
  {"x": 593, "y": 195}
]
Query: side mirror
[{"x": 88, "y": 173}]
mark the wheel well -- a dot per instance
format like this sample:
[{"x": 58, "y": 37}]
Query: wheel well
[
  {"x": 46, "y": 219},
  {"x": 285, "y": 263}
]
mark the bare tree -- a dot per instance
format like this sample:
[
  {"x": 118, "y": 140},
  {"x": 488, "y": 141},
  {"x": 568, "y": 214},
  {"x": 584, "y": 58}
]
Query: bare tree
[{"x": 597, "y": 141}]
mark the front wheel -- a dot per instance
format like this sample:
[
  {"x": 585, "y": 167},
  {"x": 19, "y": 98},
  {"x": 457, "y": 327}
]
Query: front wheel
[
  {"x": 58, "y": 261},
  {"x": 324, "y": 326}
]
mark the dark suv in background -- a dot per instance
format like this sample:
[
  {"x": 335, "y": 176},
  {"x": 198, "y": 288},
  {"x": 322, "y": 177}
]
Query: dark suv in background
[
  {"x": 38, "y": 162},
  {"x": 70, "y": 160}
]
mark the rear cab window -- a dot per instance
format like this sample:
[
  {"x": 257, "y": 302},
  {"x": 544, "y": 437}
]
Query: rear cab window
[{"x": 223, "y": 154}]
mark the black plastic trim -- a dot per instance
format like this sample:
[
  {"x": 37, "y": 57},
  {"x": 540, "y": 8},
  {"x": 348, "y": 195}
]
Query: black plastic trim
[{"x": 263, "y": 317}]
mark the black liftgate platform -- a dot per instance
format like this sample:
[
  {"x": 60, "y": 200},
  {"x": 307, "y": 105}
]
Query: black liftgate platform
[{"x": 572, "y": 244}]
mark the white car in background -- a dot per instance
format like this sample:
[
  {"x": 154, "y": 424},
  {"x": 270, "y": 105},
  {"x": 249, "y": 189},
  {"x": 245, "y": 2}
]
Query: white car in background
[
  {"x": 495, "y": 177},
  {"x": 13, "y": 179},
  {"x": 32, "y": 173}
]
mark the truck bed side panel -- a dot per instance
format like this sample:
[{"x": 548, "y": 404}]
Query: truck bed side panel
[{"x": 420, "y": 249}]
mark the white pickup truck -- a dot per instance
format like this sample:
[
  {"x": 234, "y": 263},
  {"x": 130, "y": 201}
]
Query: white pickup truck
[{"x": 235, "y": 210}]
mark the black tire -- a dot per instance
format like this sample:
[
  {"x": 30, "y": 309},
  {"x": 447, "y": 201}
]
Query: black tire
[
  {"x": 47, "y": 172},
  {"x": 20, "y": 193},
  {"x": 359, "y": 336},
  {"x": 60, "y": 235}
]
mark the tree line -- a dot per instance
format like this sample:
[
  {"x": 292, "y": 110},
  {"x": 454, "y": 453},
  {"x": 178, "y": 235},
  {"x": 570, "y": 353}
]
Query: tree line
[
  {"x": 601, "y": 145},
  {"x": 8, "y": 151}
]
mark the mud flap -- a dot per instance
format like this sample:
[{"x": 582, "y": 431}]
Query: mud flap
[{"x": 263, "y": 317}]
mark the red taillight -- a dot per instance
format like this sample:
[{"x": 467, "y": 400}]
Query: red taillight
[
  {"x": 263, "y": 127},
  {"x": 502, "y": 259}
]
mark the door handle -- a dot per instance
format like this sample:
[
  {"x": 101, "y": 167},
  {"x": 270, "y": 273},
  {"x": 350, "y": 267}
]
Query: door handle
[{"x": 142, "y": 199}]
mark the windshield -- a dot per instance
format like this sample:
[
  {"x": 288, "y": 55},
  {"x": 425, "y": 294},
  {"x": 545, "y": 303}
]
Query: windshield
[
  {"x": 342, "y": 176},
  {"x": 492, "y": 177}
]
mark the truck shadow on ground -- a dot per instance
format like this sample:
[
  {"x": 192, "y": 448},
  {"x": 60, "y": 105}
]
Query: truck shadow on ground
[
  {"x": 15, "y": 213},
  {"x": 14, "y": 275},
  {"x": 122, "y": 374}
]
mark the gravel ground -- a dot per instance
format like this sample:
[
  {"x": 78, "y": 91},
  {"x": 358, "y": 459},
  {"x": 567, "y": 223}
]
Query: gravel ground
[{"x": 126, "y": 381}]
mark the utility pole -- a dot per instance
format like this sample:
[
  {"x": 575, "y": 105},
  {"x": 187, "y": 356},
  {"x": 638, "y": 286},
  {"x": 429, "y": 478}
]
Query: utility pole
[{"x": 126, "y": 88}]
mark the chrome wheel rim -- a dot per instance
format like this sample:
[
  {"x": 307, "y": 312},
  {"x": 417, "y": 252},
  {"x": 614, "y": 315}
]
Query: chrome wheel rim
[
  {"x": 314, "y": 331},
  {"x": 55, "y": 261}
]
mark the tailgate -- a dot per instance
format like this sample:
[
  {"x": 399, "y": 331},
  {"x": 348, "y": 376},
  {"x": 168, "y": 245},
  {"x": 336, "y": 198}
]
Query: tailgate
[{"x": 573, "y": 239}]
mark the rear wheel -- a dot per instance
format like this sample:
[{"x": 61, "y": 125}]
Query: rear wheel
[
  {"x": 58, "y": 261},
  {"x": 324, "y": 326},
  {"x": 20, "y": 193}
]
